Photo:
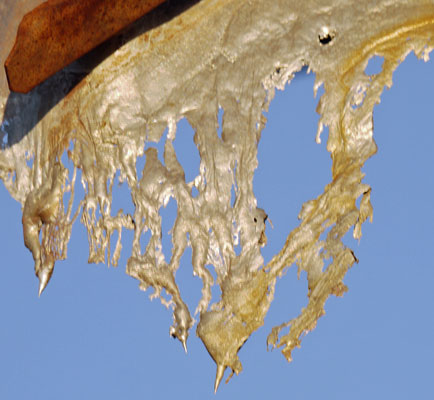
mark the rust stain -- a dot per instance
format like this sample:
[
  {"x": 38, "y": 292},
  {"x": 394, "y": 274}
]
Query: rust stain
[
  {"x": 390, "y": 41},
  {"x": 58, "y": 32}
]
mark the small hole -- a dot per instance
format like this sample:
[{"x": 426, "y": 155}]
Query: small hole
[
  {"x": 325, "y": 39},
  {"x": 375, "y": 65},
  {"x": 326, "y": 36},
  {"x": 220, "y": 122}
]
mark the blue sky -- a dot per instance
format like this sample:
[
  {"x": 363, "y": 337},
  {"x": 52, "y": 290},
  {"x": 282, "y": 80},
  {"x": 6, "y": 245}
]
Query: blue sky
[{"x": 93, "y": 334}]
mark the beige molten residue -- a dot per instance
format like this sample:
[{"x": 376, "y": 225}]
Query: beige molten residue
[{"x": 228, "y": 54}]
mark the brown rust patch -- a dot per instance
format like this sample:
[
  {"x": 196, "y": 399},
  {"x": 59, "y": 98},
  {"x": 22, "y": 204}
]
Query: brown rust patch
[{"x": 59, "y": 31}]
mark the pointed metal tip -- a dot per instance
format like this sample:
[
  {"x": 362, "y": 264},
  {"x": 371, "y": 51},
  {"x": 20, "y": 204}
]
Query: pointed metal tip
[
  {"x": 219, "y": 377},
  {"x": 44, "y": 277},
  {"x": 41, "y": 288},
  {"x": 184, "y": 344}
]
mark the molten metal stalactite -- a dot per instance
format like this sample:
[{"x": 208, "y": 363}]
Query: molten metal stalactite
[{"x": 221, "y": 54}]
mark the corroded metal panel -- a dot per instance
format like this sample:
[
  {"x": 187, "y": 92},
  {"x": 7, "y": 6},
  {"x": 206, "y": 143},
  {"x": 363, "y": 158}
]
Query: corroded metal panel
[{"x": 58, "y": 32}]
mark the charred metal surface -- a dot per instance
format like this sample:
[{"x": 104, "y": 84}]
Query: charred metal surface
[{"x": 58, "y": 32}]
